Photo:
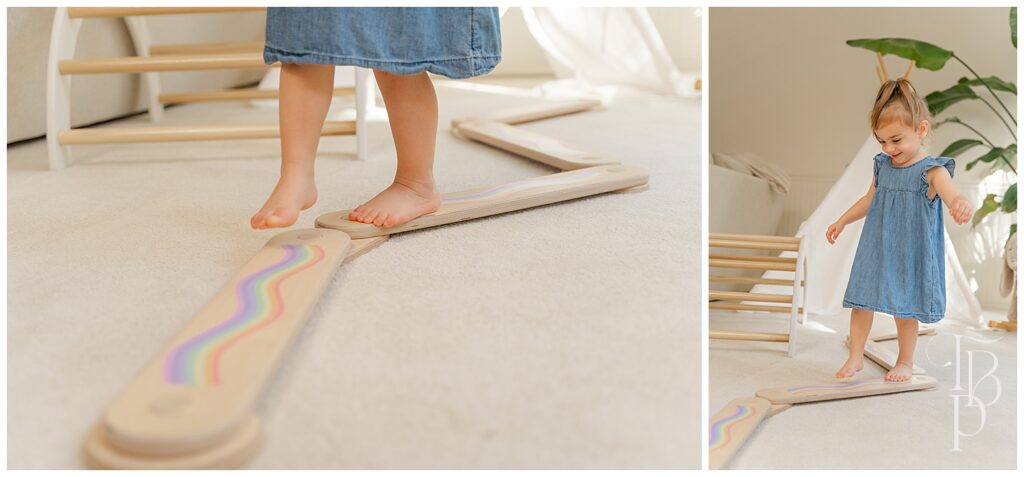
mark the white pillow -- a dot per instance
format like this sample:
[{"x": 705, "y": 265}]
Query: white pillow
[{"x": 730, "y": 162}]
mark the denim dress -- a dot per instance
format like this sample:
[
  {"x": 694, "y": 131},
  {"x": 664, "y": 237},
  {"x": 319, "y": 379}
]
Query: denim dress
[
  {"x": 452, "y": 42},
  {"x": 900, "y": 266}
]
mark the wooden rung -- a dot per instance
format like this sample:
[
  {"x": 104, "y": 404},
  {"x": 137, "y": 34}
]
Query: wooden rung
[
  {"x": 189, "y": 133},
  {"x": 746, "y": 296},
  {"x": 745, "y": 237},
  {"x": 751, "y": 265},
  {"x": 724, "y": 305},
  {"x": 748, "y": 336},
  {"x": 146, "y": 64},
  {"x": 745, "y": 244},
  {"x": 751, "y": 280},
  {"x": 207, "y": 48},
  {"x": 759, "y": 258},
  {"x": 233, "y": 95},
  {"x": 96, "y": 12}
]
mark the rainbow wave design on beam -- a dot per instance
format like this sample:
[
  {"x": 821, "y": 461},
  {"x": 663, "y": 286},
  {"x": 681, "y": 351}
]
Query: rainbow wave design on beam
[
  {"x": 196, "y": 361},
  {"x": 512, "y": 187},
  {"x": 720, "y": 434}
]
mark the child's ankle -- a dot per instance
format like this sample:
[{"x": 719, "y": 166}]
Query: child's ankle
[{"x": 421, "y": 186}]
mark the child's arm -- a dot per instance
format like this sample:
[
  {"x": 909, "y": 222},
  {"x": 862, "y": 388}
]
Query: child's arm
[
  {"x": 856, "y": 212},
  {"x": 959, "y": 207}
]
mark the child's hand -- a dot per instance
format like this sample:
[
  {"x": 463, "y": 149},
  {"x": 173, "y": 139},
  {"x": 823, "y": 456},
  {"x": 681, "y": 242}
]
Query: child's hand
[
  {"x": 833, "y": 232},
  {"x": 961, "y": 210}
]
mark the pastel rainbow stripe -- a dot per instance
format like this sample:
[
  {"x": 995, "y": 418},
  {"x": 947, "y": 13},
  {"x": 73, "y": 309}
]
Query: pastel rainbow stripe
[
  {"x": 720, "y": 434},
  {"x": 196, "y": 361},
  {"x": 506, "y": 189},
  {"x": 850, "y": 385}
]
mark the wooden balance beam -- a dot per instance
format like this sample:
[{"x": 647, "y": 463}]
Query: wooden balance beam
[
  {"x": 192, "y": 406},
  {"x": 532, "y": 112},
  {"x": 538, "y": 147},
  {"x": 1003, "y": 325},
  {"x": 841, "y": 390},
  {"x": 730, "y": 427},
  {"x": 486, "y": 201}
]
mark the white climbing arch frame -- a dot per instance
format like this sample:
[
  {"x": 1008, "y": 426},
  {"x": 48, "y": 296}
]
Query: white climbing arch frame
[{"x": 62, "y": 66}]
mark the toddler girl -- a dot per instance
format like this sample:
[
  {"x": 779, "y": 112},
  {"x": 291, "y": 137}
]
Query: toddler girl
[
  {"x": 899, "y": 268},
  {"x": 400, "y": 45}
]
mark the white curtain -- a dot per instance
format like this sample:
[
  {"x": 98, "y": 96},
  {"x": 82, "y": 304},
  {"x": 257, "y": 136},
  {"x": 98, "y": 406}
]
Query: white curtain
[
  {"x": 828, "y": 266},
  {"x": 607, "y": 46}
]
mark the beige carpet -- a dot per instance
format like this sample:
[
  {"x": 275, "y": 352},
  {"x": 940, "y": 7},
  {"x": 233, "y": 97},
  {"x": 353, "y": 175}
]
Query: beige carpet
[
  {"x": 913, "y": 430},
  {"x": 559, "y": 337}
]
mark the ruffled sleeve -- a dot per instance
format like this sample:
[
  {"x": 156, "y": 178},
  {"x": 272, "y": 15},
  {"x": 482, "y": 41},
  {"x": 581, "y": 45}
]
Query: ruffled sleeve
[
  {"x": 933, "y": 162},
  {"x": 880, "y": 158}
]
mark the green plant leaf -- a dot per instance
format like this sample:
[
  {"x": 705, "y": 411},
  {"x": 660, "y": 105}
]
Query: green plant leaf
[
  {"x": 959, "y": 147},
  {"x": 925, "y": 55},
  {"x": 1013, "y": 26},
  {"x": 1013, "y": 229},
  {"x": 991, "y": 155},
  {"x": 992, "y": 82},
  {"x": 938, "y": 101},
  {"x": 989, "y": 205},
  {"x": 1010, "y": 153},
  {"x": 1009, "y": 201},
  {"x": 951, "y": 119}
]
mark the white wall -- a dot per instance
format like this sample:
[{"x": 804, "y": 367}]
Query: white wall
[{"x": 783, "y": 84}]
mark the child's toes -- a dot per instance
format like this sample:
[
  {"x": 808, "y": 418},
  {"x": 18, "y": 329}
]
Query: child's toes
[{"x": 381, "y": 219}]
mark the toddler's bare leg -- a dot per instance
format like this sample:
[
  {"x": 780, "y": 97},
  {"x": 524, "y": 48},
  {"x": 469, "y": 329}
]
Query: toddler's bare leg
[
  {"x": 305, "y": 97},
  {"x": 906, "y": 334},
  {"x": 860, "y": 326},
  {"x": 412, "y": 112}
]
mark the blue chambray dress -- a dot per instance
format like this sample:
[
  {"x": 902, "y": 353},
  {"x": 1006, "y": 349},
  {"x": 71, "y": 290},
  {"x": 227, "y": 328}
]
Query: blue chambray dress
[
  {"x": 452, "y": 42},
  {"x": 900, "y": 266}
]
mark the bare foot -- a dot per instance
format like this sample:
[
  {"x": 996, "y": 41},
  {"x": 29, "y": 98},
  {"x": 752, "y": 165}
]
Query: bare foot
[
  {"x": 852, "y": 366},
  {"x": 401, "y": 202},
  {"x": 900, "y": 373},
  {"x": 292, "y": 194}
]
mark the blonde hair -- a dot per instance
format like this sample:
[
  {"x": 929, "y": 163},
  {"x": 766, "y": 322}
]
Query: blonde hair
[{"x": 897, "y": 100}]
